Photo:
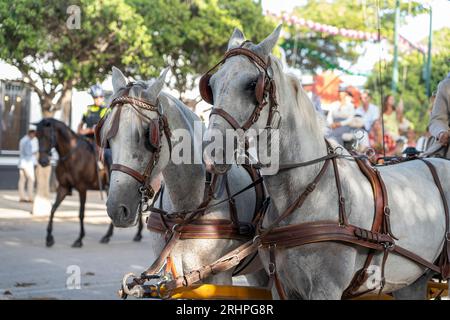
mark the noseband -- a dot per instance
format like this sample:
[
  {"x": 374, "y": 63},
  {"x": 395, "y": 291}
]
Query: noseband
[
  {"x": 157, "y": 127},
  {"x": 265, "y": 91}
]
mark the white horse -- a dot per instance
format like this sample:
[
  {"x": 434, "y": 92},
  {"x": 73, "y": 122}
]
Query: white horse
[
  {"x": 184, "y": 184},
  {"x": 325, "y": 270}
]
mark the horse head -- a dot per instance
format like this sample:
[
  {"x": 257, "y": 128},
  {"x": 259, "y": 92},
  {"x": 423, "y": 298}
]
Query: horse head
[
  {"x": 242, "y": 93},
  {"x": 46, "y": 134},
  {"x": 139, "y": 145}
]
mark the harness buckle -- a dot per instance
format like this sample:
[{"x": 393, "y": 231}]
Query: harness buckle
[
  {"x": 174, "y": 228},
  {"x": 387, "y": 211},
  {"x": 447, "y": 236},
  {"x": 272, "y": 268},
  {"x": 311, "y": 187}
]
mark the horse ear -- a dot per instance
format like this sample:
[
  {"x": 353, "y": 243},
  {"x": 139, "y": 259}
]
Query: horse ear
[
  {"x": 266, "y": 46},
  {"x": 236, "y": 39},
  {"x": 118, "y": 79},
  {"x": 157, "y": 86}
]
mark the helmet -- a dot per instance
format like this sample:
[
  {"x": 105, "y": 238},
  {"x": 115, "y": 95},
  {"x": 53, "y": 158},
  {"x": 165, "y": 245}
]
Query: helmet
[{"x": 96, "y": 91}]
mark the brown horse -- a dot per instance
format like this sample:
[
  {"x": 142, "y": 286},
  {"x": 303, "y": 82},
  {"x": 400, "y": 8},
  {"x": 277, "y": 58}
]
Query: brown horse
[{"x": 76, "y": 168}]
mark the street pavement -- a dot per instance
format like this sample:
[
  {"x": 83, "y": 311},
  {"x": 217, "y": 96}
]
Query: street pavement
[{"x": 30, "y": 270}]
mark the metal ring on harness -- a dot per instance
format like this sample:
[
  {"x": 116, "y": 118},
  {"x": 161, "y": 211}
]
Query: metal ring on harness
[{"x": 136, "y": 291}]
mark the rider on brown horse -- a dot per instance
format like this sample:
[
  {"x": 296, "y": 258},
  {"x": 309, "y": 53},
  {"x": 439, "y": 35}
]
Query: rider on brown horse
[{"x": 92, "y": 116}]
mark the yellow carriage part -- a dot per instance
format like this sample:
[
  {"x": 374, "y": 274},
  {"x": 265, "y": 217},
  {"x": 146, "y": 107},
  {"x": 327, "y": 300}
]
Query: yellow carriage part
[
  {"x": 437, "y": 290},
  {"x": 434, "y": 290},
  {"x": 212, "y": 291}
]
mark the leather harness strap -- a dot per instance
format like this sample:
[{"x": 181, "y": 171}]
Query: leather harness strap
[
  {"x": 314, "y": 232},
  {"x": 445, "y": 255},
  {"x": 265, "y": 87},
  {"x": 136, "y": 175}
]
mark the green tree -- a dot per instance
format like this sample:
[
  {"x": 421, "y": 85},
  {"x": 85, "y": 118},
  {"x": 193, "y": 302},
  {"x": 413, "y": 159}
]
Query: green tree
[
  {"x": 54, "y": 58},
  {"x": 312, "y": 51},
  {"x": 190, "y": 36},
  {"x": 412, "y": 81}
]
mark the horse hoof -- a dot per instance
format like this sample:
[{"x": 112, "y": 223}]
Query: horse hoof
[
  {"x": 50, "y": 242},
  {"x": 105, "y": 240},
  {"x": 137, "y": 238},
  {"x": 77, "y": 244}
]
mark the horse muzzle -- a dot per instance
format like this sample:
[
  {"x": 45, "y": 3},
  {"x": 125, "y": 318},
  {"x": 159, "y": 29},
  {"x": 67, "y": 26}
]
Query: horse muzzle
[{"x": 121, "y": 215}]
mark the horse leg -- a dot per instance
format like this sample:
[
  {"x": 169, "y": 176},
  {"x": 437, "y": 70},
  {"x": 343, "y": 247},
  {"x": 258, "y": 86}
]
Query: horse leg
[
  {"x": 60, "y": 195},
  {"x": 138, "y": 235},
  {"x": 415, "y": 291},
  {"x": 78, "y": 243},
  {"x": 108, "y": 234}
]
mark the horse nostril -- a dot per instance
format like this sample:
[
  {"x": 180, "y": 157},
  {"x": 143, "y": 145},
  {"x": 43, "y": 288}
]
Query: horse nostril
[{"x": 123, "y": 210}]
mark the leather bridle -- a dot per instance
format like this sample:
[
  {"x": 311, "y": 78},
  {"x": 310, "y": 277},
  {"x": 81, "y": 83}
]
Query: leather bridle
[
  {"x": 157, "y": 127},
  {"x": 265, "y": 91}
]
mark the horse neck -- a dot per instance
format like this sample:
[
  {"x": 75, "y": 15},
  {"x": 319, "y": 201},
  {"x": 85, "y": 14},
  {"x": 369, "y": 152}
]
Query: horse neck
[
  {"x": 62, "y": 145},
  {"x": 299, "y": 142},
  {"x": 184, "y": 183}
]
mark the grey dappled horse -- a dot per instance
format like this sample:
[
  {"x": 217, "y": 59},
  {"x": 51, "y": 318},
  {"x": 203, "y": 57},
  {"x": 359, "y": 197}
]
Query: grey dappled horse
[
  {"x": 324, "y": 270},
  {"x": 184, "y": 184}
]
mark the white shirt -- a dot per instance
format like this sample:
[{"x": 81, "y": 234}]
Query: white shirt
[
  {"x": 27, "y": 149},
  {"x": 368, "y": 116},
  {"x": 339, "y": 111}
]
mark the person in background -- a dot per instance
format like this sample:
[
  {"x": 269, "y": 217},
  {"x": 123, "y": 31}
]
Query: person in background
[
  {"x": 341, "y": 116},
  {"x": 367, "y": 111},
  {"x": 376, "y": 140},
  {"x": 92, "y": 116},
  {"x": 93, "y": 113},
  {"x": 392, "y": 116},
  {"x": 439, "y": 119},
  {"x": 28, "y": 148}
]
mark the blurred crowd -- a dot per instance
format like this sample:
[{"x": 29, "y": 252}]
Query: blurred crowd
[{"x": 355, "y": 122}]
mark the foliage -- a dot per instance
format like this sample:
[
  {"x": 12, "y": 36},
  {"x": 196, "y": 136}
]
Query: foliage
[
  {"x": 34, "y": 37},
  {"x": 311, "y": 51},
  {"x": 411, "y": 87},
  {"x": 190, "y": 36}
]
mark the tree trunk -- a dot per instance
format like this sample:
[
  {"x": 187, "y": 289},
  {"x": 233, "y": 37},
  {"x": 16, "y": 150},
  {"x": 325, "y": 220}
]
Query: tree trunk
[
  {"x": 46, "y": 107},
  {"x": 42, "y": 203},
  {"x": 65, "y": 104}
]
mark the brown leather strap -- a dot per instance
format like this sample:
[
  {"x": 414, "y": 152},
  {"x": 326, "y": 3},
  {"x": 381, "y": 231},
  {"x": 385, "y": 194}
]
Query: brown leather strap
[
  {"x": 298, "y": 202},
  {"x": 445, "y": 255},
  {"x": 224, "y": 263},
  {"x": 261, "y": 197},
  {"x": 119, "y": 167},
  {"x": 341, "y": 198},
  {"x": 159, "y": 262},
  {"x": 231, "y": 202},
  {"x": 362, "y": 275},
  {"x": 273, "y": 273},
  {"x": 248, "y": 53},
  {"x": 386, "y": 225},
  {"x": 201, "y": 228}
]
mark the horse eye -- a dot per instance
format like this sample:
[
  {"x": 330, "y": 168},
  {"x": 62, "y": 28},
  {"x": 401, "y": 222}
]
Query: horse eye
[{"x": 251, "y": 85}]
